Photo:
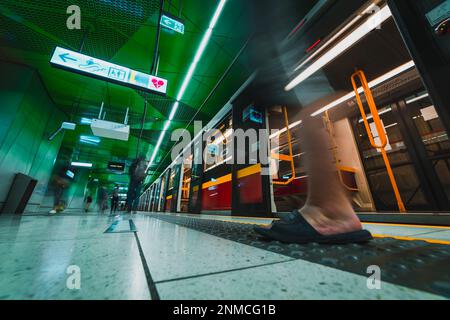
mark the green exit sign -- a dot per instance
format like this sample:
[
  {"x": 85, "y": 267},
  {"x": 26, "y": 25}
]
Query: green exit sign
[{"x": 172, "y": 23}]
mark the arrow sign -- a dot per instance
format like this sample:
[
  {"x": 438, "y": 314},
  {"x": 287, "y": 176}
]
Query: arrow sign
[
  {"x": 65, "y": 56},
  {"x": 103, "y": 70},
  {"x": 172, "y": 23}
]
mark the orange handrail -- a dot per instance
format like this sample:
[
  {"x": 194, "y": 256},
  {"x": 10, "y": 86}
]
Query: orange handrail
[
  {"x": 289, "y": 157},
  {"x": 380, "y": 130},
  {"x": 329, "y": 127}
]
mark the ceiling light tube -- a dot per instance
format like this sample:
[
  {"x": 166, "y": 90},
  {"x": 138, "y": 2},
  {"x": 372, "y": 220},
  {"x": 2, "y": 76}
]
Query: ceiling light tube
[
  {"x": 86, "y": 121},
  {"x": 174, "y": 110},
  {"x": 338, "y": 34},
  {"x": 379, "y": 113},
  {"x": 291, "y": 126},
  {"x": 417, "y": 98},
  {"x": 81, "y": 164},
  {"x": 391, "y": 74},
  {"x": 190, "y": 73},
  {"x": 90, "y": 139},
  {"x": 391, "y": 125},
  {"x": 370, "y": 24}
]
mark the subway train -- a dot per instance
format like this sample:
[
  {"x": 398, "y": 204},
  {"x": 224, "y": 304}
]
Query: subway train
[{"x": 397, "y": 174}]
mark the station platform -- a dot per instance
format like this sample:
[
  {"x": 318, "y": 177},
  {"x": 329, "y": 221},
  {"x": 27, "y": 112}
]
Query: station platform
[{"x": 192, "y": 257}]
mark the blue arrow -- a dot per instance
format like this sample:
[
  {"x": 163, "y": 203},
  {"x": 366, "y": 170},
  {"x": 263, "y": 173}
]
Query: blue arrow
[{"x": 64, "y": 57}]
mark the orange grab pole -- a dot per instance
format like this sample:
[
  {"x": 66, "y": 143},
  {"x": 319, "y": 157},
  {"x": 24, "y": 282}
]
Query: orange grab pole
[
  {"x": 380, "y": 130},
  {"x": 329, "y": 127},
  {"x": 284, "y": 157}
]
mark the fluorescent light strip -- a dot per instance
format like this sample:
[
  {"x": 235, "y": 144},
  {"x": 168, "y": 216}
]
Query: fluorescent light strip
[
  {"x": 337, "y": 35},
  {"x": 190, "y": 73},
  {"x": 219, "y": 163},
  {"x": 86, "y": 121},
  {"x": 391, "y": 125},
  {"x": 391, "y": 74},
  {"x": 89, "y": 142},
  {"x": 417, "y": 98},
  {"x": 81, "y": 164},
  {"x": 291, "y": 126},
  {"x": 351, "y": 23},
  {"x": 90, "y": 139},
  {"x": 370, "y": 24},
  {"x": 379, "y": 113},
  {"x": 158, "y": 144}
]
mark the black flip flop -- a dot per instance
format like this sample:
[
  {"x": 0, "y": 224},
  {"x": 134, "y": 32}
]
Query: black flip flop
[
  {"x": 288, "y": 217},
  {"x": 295, "y": 229}
]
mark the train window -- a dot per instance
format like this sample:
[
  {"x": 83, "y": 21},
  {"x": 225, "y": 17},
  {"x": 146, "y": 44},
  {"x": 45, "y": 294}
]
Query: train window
[
  {"x": 171, "y": 179},
  {"x": 293, "y": 195},
  {"x": 218, "y": 150},
  {"x": 433, "y": 136},
  {"x": 186, "y": 184}
]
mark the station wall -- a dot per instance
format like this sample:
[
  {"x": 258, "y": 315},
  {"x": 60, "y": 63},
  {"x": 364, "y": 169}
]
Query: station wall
[{"x": 28, "y": 116}]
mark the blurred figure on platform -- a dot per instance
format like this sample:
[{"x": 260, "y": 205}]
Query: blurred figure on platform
[
  {"x": 88, "y": 203},
  {"x": 102, "y": 199},
  {"x": 114, "y": 199},
  {"x": 137, "y": 172},
  {"x": 59, "y": 184}
]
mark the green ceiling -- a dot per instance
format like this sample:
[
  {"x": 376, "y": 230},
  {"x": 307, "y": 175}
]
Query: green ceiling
[{"x": 124, "y": 32}]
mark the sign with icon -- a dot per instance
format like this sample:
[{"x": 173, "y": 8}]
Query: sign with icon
[
  {"x": 172, "y": 23},
  {"x": 252, "y": 114},
  {"x": 80, "y": 63}
]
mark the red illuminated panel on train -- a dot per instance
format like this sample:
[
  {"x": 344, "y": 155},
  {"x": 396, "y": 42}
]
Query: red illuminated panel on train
[
  {"x": 216, "y": 194},
  {"x": 250, "y": 185}
]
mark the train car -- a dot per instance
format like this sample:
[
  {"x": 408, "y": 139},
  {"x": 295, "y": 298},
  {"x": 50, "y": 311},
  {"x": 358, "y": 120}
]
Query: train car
[{"x": 402, "y": 181}]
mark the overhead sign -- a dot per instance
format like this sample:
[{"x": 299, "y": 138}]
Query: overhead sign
[
  {"x": 111, "y": 130},
  {"x": 439, "y": 14},
  {"x": 80, "y": 63},
  {"x": 116, "y": 166},
  {"x": 172, "y": 23}
]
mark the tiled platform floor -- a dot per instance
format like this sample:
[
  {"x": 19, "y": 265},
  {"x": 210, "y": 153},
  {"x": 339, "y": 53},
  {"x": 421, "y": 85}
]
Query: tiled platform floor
[{"x": 183, "y": 263}]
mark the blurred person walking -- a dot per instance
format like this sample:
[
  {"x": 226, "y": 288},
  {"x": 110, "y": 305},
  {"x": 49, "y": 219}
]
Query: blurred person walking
[
  {"x": 137, "y": 172},
  {"x": 328, "y": 215}
]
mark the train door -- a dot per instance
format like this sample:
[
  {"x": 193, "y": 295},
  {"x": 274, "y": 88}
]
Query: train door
[
  {"x": 287, "y": 169},
  {"x": 161, "y": 194},
  {"x": 156, "y": 196},
  {"x": 186, "y": 184},
  {"x": 176, "y": 188},
  {"x": 418, "y": 149},
  {"x": 432, "y": 144},
  {"x": 217, "y": 178},
  {"x": 150, "y": 204},
  {"x": 164, "y": 190},
  {"x": 195, "y": 205},
  {"x": 170, "y": 189}
]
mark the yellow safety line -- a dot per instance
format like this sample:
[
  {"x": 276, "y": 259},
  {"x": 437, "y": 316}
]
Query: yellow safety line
[
  {"x": 240, "y": 217},
  {"x": 435, "y": 241},
  {"x": 374, "y": 235},
  {"x": 406, "y": 225},
  {"x": 412, "y": 239}
]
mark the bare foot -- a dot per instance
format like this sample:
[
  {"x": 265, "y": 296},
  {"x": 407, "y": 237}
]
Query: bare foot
[{"x": 331, "y": 222}]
